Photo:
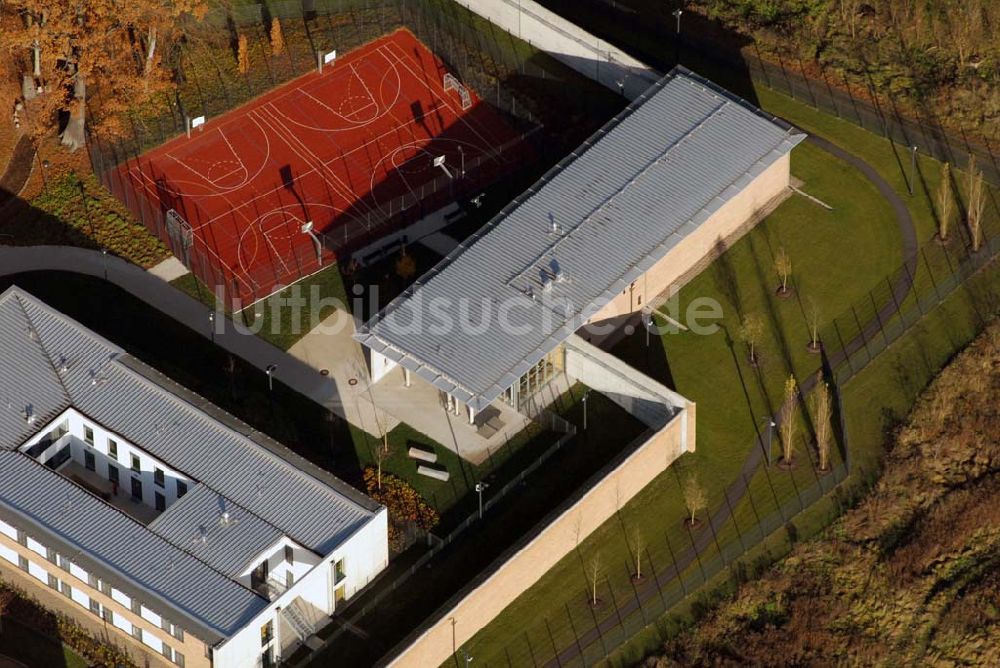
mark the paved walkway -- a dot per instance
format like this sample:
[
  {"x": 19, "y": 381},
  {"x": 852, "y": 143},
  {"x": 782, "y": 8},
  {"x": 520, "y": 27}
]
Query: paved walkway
[
  {"x": 291, "y": 371},
  {"x": 331, "y": 346}
]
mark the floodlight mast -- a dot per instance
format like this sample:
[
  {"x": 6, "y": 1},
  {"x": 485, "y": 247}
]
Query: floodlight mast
[{"x": 439, "y": 162}]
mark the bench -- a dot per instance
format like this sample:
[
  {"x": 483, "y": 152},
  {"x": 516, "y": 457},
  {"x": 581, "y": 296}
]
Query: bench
[
  {"x": 422, "y": 455},
  {"x": 433, "y": 473}
]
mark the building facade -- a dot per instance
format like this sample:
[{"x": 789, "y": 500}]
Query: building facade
[{"x": 154, "y": 518}]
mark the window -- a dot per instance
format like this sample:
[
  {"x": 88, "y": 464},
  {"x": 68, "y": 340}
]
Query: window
[
  {"x": 93, "y": 581},
  {"x": 106, "y": 588},
  {"x": 165, "y": 648},
  {"x": 113, "y": 473},
  {"x": 109, "y": 615},
  {"x": 66, "y": 589},
  {"x": 136, "y": 606},
  {"x": 289, "y": 554},
  {"x": 136, "y": 466},
  {"x": 88, "y": 435},
  {"x": 289, "y": 579},
  {"x": 136, "y": 489},
  {"x": 179, "y": 658},
  {"x": 158, "y": 477},
  {"x": 95, "y": 607},
  {"x": 112, "y": 448},
  {"x": 177, "y": 632},
  {"x": 53, "y": 581},
  {"x": 64, "y": 563},
  {"x": 51, "y": 555},
  {"x": 22, "y": 538},
  {"x": 136, "y": 632},
  {"x": 339, "y": 572},
  {"x": 266, "y": 633},
  {"x": 22, "y": 561},
  {"x": 88, "y": 460},
  {"x": 161, "y": 502},
  {"x": 267, "y": 658},
  {"x": 182, "y": 488}
]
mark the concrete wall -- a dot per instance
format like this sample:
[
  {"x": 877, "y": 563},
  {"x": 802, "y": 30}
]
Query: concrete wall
[
  {"x": 568, "y": 43},
  {"x": 650, "y": 402},
  {"x": 522, "y": 569},
  {"x": 713, "y": 236}
]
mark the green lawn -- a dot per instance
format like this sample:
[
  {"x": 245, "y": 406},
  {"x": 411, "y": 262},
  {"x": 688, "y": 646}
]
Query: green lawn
[
  {"x": 837, "y": 256},
  {"x": 33, "y": 649}
]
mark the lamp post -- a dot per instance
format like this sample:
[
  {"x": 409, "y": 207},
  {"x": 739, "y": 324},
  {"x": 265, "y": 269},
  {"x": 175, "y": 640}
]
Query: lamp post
[
  {"x": 211, "y": 325},
  {"x": 461, "y": 152},
  {"x": 677, "y": 38},
  {"x": 271, "y": 368},
  {"x": 913, "y": 169},
  {"x": 480, "y": 488},
  {"x": 585, "y": 395},
  {"x": 677, "y": 15},
  {"x": 771, "y": 424}
]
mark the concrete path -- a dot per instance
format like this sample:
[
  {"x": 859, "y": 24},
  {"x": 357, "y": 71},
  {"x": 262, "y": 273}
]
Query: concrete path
[
  {"x": 737, "y": 489},
  {"x": 169, "y": 269},
  {"x": 292, "y": 371},
  {"x": 331, "y": 346}
]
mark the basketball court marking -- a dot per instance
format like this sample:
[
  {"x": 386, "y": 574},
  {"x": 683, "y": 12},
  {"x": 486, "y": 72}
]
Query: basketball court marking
[{"x": 369, "y": 152}]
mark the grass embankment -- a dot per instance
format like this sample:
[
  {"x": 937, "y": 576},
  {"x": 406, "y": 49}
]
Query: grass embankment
[{"x": 911, "y": 575}]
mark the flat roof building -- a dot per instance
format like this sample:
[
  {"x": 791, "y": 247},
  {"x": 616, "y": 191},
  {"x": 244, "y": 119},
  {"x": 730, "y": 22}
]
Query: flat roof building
[
  {"x": 193, "y": 538},
  {"x": 675, "y": 177}
]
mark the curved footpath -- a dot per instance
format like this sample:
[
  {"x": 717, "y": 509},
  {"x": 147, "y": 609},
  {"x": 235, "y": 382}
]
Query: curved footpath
[
  {"x": 186, "y": 310},
  {"x": 736, "y": 490},
  {"x": 323, "y": 390}
]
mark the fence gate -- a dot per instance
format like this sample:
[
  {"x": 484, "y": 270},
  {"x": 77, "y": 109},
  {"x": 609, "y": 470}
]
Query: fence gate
[{"x": 181, "y": 237}]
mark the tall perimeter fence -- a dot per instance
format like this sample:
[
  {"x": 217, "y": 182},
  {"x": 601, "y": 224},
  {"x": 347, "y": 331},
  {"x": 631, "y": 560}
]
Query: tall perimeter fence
[
  {"x": 529, "y": 89},
  {"x": 653, "y": 38}
]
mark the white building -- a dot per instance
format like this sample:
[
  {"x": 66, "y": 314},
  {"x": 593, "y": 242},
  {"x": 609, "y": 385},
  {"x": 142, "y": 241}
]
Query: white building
[{"x": 148, "y": 514}]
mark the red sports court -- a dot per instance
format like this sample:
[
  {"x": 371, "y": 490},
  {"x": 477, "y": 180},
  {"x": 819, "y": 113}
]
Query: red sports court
[{"x": 344, "y": 149}]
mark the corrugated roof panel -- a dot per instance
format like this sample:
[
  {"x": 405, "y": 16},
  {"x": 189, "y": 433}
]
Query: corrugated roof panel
[{"x": 643, "y": 182}]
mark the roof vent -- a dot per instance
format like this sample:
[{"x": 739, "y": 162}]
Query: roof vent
[
  {"x": 32, "y": 333},
  {"x": 226, "y": 519},
  {"x": 29, "y": 414},
  {"x": 546, "y": 283},
  {"x": 63, "y": 364},
  {"x": 553, "y": 225},
  {"x": 202, "y": 536},
  {"x": 557, "y": 272}
]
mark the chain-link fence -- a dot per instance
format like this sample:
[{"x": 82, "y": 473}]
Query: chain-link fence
[
  {"x": 901, "y": 298},
  {"x": 527, "y": 88},
  {"x": 662, "y": 39}
]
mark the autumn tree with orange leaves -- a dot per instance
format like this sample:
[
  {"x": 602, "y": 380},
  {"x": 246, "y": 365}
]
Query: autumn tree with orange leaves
[{"x": 61, "y": 48}]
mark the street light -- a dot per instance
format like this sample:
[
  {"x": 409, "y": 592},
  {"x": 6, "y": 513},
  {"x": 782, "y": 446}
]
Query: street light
[
  {"x": 271, "y": 368},
  {"x": 211, "y": 324},
  {"x": 913, "y": 169},
  {"x": 480, "y": 487},
  {"x": 677, "y": 15},
  {"x": 461, "y": 152},
  {"x": 585, "y": 395},
  {"x": 771, "y": 424},
  {"x": 468, "y": 658}
]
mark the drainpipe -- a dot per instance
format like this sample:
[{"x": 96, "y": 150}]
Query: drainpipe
[
  {"x": 406, "y": 377},
  {"x": 472, "y": 416}
]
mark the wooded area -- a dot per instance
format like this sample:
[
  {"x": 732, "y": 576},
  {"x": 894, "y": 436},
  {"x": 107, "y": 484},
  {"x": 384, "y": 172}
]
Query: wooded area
[{"x": 941, "y": 57}]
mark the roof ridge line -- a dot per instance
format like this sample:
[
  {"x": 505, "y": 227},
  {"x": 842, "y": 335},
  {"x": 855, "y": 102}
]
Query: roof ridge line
[{"x": 36, "y": 336}]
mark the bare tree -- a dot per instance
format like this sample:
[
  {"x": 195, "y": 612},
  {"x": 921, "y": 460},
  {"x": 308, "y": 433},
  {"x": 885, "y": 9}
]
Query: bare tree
[
  {"x": 945, "y": 202},
  {"x": 788, "y": 424},
  {"x": 593, "y": 574},
  {"x": 813, "y": 316},
  {"x": 976, "y": 204},
  {"x": 695, "y": 498},
  {"x": 277, "y": 37},
  {"x": 822, "y": 414},
  {"x": 637, "y": 552},
  {"x": 243, "y": 54},
  {"x": 783, "y": 266},
  {"x": 751, "y": 329}
]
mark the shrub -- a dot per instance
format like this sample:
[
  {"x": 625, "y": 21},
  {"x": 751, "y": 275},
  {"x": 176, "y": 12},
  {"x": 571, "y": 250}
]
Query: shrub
[{"x": 405, "y": 505}]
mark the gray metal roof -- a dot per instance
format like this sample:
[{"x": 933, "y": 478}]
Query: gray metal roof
[
  {"x": 196, "y": 523},
  {"x": 51, "y": 362},
  {"x": 620, "y": 202},
  {"x": 102, "y": 539}
]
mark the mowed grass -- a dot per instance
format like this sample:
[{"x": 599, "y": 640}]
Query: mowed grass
[{"x": 837, "y": 256}]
